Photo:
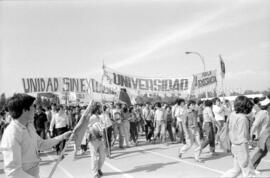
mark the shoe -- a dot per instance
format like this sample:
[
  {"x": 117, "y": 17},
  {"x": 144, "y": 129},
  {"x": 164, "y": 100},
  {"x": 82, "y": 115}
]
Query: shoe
[
  {"x": 257, "y": 172},
  {"x": 198, "y": 160},
  {"x": 100, "y": 172},
  {"x": 180, "y": 155}
]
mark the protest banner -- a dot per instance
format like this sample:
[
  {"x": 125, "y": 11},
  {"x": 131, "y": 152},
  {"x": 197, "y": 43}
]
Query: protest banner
[
  {"x": 205, "y": 79},
  {"x": 65, "y": 84},
  {"x": 145, "y": 83}
]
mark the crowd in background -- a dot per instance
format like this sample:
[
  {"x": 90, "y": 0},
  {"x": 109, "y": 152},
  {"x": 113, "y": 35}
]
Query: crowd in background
[{"x": 189, "y": 122}]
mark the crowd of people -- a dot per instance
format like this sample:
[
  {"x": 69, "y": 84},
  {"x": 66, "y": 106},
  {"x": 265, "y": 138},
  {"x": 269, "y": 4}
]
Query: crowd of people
[{"x": 189, "y": 122}]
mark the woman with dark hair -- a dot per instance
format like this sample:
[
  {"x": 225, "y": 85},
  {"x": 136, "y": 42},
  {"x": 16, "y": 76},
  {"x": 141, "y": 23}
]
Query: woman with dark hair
[
  {"x": 208, "y": 128},
  {"x": 239, "y": 137}
]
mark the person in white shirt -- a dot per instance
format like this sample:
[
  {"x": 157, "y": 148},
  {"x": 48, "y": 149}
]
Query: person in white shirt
[
  {"x": 96, "y": 145},
  {"x": 119, "y": 126},
  {"x": 219, "y": 112},
  {"x": 160, "y": 123},
  {"x": 20, "y": 140},
  {"x": 61, "y": 123},
  {"x": 180, "y": 112},
  {"x": 208, "y": 128}
]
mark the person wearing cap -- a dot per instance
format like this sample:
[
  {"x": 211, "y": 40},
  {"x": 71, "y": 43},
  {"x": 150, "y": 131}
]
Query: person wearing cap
[
  {"x": 262, "y": 125},
  {"x": 20, "y": 140}
]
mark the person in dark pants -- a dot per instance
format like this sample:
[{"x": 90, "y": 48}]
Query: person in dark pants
[
  {"x": 169, "y": 120},
  {"x": 61, "y": 123},
  {"x": 40, "y": 122},
  {"x": 106, "y": 120},
  {"x": 261, "y": 150},
  {"x": 208, "y": 127},
  {"x": 148, "y": 116},
  {"x": 133, "y": 126}
]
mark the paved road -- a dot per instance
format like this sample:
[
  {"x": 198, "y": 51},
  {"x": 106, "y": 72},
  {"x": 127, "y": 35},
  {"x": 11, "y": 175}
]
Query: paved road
[{"x": 145, "y": 160}]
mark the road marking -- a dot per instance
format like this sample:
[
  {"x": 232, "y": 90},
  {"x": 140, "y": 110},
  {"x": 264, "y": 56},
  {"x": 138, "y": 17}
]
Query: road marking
[
  {"x": 118, "y": 170},
  {"x": 66, "y": 172},
  {"x": 179, "y": 160},
  {"x": 266, "y": 160}
]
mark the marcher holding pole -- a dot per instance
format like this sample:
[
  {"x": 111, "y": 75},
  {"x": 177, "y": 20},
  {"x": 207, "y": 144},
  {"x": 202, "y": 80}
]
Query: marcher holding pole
[{"x": 21, "y": 158}]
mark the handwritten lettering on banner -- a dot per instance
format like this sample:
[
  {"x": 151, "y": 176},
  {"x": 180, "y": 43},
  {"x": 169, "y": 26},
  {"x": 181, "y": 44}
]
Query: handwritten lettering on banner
[
  {"x": 147, "y": 84},
  {"x": 205, "y": 79},
  {"x": 65, "y": 84}
]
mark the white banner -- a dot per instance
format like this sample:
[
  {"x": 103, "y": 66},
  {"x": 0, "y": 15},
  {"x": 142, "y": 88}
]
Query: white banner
[{"x": 145, "y": 84}]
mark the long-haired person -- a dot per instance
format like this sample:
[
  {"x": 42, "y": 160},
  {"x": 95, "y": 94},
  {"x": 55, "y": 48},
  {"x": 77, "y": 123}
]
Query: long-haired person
[{"x": 239, "y": 137}]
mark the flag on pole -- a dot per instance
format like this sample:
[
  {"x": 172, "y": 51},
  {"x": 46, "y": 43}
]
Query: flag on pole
[
  {"x": 222, "y": 66},
  {"x": 124, "y": 97}
]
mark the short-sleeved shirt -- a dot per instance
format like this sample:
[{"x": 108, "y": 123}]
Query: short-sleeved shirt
[
  {"x": 238, "y": 128},
  {"x": 219, "y": 116},
  {"x": 207, "y": 114}
]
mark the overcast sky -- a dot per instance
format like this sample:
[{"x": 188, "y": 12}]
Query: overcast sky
[{"x": 58, "y": 38}]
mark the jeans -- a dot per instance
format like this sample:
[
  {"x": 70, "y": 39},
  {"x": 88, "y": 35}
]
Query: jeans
[
  {"x": 241, "y": 162},
  {"x": 219, "y": 125},
  {"x": 160, "y": 128},
  {"x": 209, "y": 137},
  {"x": 97, "y": 152},
  {"x": 259, "y": 154},
  {"x": 133, "y": 131},
  {"x": 192, "y": 138},
  {"x": 60, "y": 146},
  {"x": 179, "y": 126},
  {"x": 108, "y": 137},
  {"x": 169, "y": 129},
  {"x": 149, "y": 129},
  {"x": 126, "y": 128},
  {"x": 118, "y": 129}
]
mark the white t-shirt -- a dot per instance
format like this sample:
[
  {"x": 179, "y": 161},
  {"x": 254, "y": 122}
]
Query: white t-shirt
[
  {"x": 219, "y": 116},
  {"x": 180, "y": 113}
]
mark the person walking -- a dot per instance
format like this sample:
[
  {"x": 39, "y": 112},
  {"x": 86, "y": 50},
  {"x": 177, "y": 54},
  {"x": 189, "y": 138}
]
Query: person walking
[
  {"x": 192, "y": 132},
  {"x": 61, "y": 123},
  {"x": 239, "y": 137}
]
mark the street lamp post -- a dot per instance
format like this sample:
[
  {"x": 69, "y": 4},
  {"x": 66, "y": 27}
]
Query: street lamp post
[{"x": 202, "y": 59}]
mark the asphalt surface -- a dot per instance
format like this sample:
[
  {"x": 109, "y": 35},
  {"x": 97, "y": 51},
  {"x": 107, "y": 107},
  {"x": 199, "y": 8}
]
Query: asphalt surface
[{"x": 145, "y": 160}]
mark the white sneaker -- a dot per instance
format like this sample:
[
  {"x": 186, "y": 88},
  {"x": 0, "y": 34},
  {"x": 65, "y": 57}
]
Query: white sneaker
[{"x": 257, "y": 172}]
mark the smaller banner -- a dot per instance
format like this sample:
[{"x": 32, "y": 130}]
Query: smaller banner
[{"x": 205, "y": 79}]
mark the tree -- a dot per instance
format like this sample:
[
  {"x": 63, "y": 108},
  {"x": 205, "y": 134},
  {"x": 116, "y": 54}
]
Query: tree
[{"x": 2, "y": 101}]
